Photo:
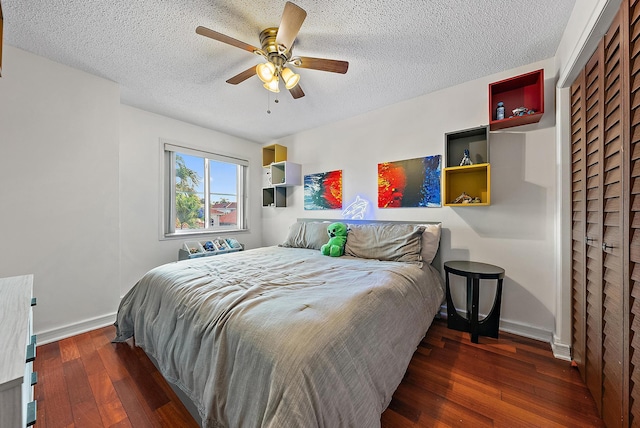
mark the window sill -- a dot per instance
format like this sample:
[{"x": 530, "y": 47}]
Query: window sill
[{"x": 200, "y": 233}]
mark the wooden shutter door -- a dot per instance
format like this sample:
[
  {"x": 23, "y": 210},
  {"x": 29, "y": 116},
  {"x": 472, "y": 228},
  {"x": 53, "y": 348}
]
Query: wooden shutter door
[
  {"x": 612, "y": 251},
  {"x": 634, "y": 214},
  {"x": 578, "y": 231},
  {"x": 594, "y": 101},
  {"x": 605, "y": 125}
]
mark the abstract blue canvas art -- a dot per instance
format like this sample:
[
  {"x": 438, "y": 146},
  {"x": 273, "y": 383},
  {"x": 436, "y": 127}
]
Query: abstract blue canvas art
[{"x": 323, "y": 191}]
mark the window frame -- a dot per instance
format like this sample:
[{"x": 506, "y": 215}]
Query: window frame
[{"x": 168, "y": 150}]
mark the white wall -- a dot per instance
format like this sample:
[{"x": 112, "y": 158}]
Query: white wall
[
  {"x": 516, "y": 232},
  {"x": 59, "y": 193},
  {"x": 80, "y": 188},
  {"x": 140, "y": 187}
]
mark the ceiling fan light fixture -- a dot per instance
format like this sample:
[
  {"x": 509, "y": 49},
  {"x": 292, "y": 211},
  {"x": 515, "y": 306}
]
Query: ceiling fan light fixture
[
  {"x": 266, "y": 71},
  {"x": 289, "y": 78},
  {"x": 272, "y": 85},
  {"x": 277, "y": 45}
]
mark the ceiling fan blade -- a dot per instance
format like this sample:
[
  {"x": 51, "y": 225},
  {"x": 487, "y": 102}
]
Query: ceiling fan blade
[
  {"x": 204, "y": 31},
  {"x": 241, "y": 77},
  {"x": 292, "y": 18},
  {"x": 296, "y": 92},
  {"x": 332, "y": 65}
]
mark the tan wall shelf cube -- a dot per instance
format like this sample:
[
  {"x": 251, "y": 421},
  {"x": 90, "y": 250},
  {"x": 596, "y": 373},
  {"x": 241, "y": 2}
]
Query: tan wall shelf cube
[
  {"x": 474, "y": 180},
  {"x": 273, "y": 153}
]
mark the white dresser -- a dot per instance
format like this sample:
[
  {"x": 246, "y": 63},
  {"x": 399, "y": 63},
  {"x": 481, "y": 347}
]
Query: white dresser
[{"x": 17, "y": 352}]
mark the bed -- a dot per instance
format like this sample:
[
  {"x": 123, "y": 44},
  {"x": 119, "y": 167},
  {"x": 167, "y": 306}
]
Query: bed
[{"x": 283, "y": 336}]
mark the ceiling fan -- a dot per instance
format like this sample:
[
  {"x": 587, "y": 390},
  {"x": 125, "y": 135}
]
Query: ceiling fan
[{"x": 277, "y": 46}]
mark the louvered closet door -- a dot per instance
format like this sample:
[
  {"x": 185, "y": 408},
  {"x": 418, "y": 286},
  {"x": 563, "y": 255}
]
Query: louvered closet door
[
  {"x": 609, "y": 322},
  {"x": 612, "y": 252},
  {"x": 587, "y": 139},
  {"x": 594, "y": 101},
  {"x": 578, "y": 231},
  {"x": 634, "y": 215}
]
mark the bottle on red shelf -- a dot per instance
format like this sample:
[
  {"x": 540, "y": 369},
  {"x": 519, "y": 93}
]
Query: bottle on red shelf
[{"x": 500, "y": 111}]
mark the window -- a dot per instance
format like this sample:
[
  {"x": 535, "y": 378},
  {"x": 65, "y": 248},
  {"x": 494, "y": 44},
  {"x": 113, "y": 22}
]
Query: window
[{"x": 204, "y": 192}]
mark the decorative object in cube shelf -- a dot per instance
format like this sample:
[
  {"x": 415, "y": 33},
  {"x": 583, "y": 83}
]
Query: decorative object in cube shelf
[
  {"x": 410, "y": 183},
  {"x": 500, "y": 111},
  {"x": 323, "y": 191},
  {"x": 521, "y": 111},
  {"x": 466, "y": 199},
  {"x": 466, "y": 160}
]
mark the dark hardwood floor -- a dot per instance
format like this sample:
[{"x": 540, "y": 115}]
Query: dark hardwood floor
[
  {"x": 86, "y": 381},
  {"x": 507, "y": 382}
]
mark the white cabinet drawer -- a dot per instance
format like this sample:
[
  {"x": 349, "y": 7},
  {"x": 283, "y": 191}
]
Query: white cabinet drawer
[{"x": 17, "y": 406}]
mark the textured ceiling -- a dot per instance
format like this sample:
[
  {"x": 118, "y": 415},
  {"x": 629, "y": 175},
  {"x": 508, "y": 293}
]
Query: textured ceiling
[{"x": 396, "y": 50}]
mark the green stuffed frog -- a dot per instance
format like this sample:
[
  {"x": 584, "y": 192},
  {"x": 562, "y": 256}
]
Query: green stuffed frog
[{"x": 337, "y": 238}]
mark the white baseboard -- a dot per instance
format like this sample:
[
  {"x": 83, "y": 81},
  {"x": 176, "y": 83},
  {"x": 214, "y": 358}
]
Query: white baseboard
[
  {"x": 69, "y": 330},
  {"x": 524, "y": 330},
  {"x": 560, "y": 351}
]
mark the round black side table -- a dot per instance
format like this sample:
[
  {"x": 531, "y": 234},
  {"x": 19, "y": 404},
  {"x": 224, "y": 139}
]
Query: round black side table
[{"x": 474, "y": 272}]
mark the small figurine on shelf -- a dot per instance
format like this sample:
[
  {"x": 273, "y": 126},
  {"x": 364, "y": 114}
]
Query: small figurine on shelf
[
  {"x": 466, "y": 199},
  {"x": 521, "y": 111},
  {"x": 466, "y": 160},
  {"x": 500, "y": 111},
  {"x": 462, "y": 199}
]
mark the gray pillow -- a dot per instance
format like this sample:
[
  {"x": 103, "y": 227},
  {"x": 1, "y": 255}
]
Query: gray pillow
[
  {"x": 388, "y": 242},
  {"x": 312, "y": 235},
  {"x": 430, "y": 241}
]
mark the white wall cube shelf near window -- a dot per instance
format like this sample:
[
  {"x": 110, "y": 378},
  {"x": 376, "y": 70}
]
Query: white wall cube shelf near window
[
  {"x": 285, "y": 174},
  {"x": 276, "y": 178},
  {"x": 278, "y": 174}
]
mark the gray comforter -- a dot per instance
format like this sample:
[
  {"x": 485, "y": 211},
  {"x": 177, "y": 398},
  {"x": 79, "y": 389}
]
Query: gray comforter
[{"x": 283, "y": 337}]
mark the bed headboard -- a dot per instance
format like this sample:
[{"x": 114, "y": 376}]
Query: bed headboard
[{"x": 436, "y": 263}]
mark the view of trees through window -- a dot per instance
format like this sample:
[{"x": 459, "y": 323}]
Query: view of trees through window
[{"x": 206, "y": 193}]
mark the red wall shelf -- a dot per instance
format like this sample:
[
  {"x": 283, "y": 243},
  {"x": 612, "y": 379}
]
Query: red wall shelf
[{"x": 526, "y": 90}]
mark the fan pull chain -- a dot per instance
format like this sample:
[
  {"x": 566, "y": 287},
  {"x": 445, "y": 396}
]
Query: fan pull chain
[{"x": 276, "y": 100}]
